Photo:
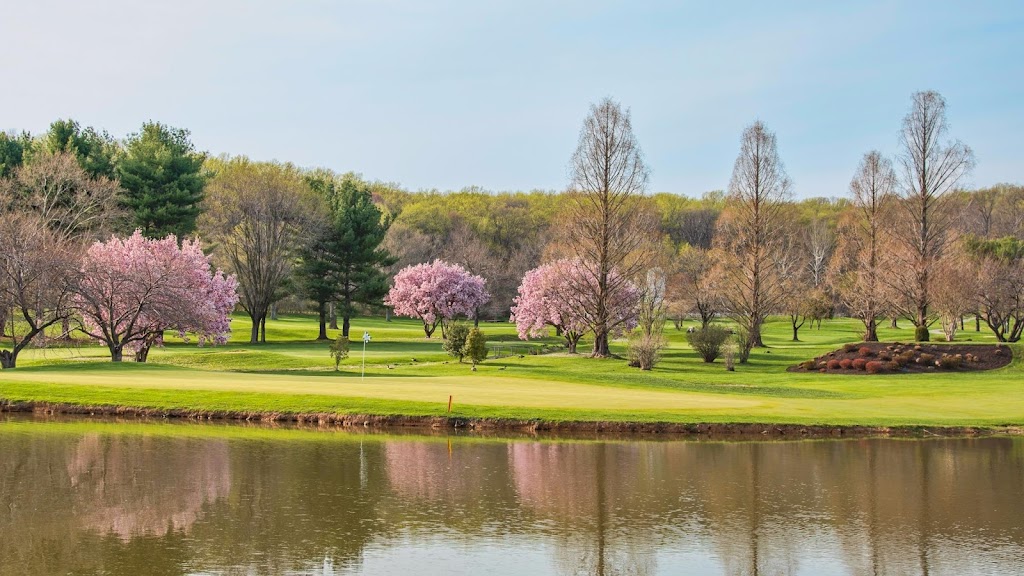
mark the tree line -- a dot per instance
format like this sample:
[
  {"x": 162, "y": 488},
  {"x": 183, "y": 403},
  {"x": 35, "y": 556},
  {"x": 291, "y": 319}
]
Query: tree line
[{"x": 897, "y": 245}]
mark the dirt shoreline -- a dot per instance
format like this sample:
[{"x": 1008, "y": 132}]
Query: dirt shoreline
[{"x": 490, "y": 425}]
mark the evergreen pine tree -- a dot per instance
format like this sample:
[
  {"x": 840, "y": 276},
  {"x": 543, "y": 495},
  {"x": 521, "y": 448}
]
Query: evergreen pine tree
[{"x": 161, "y": 174}]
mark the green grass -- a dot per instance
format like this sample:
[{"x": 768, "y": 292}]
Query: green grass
[{"x": 293, "y": 373}]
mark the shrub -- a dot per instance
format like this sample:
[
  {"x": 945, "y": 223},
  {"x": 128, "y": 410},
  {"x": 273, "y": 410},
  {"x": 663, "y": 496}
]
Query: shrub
[
  {"x": 875, "y": 367},
  {"x": 476, "y": 347},
  {"x": 339, "y": 350},
  {"x": 884, "y": 356},
  {"x": 859, "y": 363},
  {"x": 729, "y": 350},
  {"x": 905, "y": 358},
  {"x": 866, "y": 352},
  {"x": 894, "y": 366},
  {"x": 950, "y": 362},
  {"x": 926, "y": 359},
  {"x": 807, "y": 365},
  {"x": 845, "y": 363},
  {"x": 707, "y": 343},
  {"x": 850, "y": 346},
  {"x": 455, "y": 339},
  {"x": 645, "y": 350},
  {"x": 833, "y": 365},
  {"x": 921, "y": 334}
]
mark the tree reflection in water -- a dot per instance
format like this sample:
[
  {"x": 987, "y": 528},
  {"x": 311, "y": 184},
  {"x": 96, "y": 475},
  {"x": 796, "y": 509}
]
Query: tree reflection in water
[{"x": 107, "y": 502}]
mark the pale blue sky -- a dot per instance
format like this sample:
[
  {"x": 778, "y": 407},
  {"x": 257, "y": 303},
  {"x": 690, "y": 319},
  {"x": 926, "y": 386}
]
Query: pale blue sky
[{"x": 446, "y": 94}]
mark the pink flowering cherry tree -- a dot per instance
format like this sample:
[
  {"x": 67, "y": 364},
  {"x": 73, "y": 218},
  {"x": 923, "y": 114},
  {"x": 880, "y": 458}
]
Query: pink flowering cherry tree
[
  {"x": 435, "y": 293},
  {"x": 555, "y": 295},
  {"x": 134, "y": 289}
]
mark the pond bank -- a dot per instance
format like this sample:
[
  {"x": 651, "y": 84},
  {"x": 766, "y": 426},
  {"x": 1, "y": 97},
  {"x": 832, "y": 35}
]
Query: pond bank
[{"x": 726, "y": 430}]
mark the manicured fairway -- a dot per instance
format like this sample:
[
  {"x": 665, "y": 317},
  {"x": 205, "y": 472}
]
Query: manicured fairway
[{"x": 406, "y": 374}]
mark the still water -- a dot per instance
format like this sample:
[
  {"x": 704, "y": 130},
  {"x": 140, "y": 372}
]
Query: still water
[{"x": 87, "y": 497}]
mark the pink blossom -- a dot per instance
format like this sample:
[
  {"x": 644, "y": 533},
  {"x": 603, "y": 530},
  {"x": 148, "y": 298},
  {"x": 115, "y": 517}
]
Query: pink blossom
[
  {"x": 560, "y": 294},
  {"x": 134, "y": 289},
  {"x": 436, "y": 292}
]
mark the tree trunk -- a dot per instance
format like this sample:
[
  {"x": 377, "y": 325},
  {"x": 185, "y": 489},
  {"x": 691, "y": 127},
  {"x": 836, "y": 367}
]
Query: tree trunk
[
  {"x": 116, "y": 353},
  {"x": 871, "y": 331},
  {"x": 893, "y": 323},
  {"x": 273, "y": 311},
  {"x": 755, "y": 336},
  {"x": 142, "y": 354},
  {"x": 796, "y": 330},
  {"x": 601, "y": 349},
  {"x": 476, "y": 318},
  {"x": 334, "y": 316},
  {"x": 3, "y": 322},
  {"x": 8, "y": 359},
  {"x": 263, "y": 329},
  {"x": 571, "y": 340},
  {"x": 346, "y": 325},
  {"x": 977, "y": 322},
  {"x": 254, "y": 335},
  {"x": 387, "y": 314},
  {"x": 322, "y": 309}
]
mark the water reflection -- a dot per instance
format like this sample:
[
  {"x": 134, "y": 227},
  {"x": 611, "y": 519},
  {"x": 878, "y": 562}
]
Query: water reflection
[{"x": 104, "y": 501}]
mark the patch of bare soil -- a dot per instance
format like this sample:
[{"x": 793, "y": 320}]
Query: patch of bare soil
[{"x": 898, "y": 357}]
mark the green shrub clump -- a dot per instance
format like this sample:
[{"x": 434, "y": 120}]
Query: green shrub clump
[
  {"x": 476, "y": 347},
  {"x": 455, "y": 340},
  {"x": 921, "y": 334},
  {"x": 950, "y": 362},
  {"x": 339, "y": 350},
  {"x": 708, "y": 342}
]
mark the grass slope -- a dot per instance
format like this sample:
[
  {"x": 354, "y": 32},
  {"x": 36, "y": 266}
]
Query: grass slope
[{"x": 409, "y": 375}]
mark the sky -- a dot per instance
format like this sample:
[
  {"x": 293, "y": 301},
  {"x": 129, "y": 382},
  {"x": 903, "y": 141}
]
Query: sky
[{"x": 447, "y": 94}]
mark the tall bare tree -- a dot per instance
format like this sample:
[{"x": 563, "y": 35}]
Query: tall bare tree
[
  {"x": 748, "y": 236},
  {"x": 858, "y": 267},
  {"x": 38, "y": 268},
  {"x": 71, "y": 208},
  {"x": 930, "y": 168},
  {"x": 609, "y": 228},
  {"x": 257, "y": 215},
  {"x": 67, "y": 199}
]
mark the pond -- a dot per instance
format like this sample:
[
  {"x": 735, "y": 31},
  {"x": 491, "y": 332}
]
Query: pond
[{"x": 102, "y": 497}]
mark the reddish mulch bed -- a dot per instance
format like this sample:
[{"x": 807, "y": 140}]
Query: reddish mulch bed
[{"x": 898, "y": 357}]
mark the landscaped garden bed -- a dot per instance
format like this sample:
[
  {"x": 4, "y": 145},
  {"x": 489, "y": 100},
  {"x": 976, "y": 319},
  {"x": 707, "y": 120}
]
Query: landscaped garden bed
[{"x": 898, "y": 357}]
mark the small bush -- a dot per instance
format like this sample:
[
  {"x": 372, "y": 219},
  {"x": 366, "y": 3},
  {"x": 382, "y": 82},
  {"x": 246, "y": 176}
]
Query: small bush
[
  {"x": 707, "y": 343},
  {"x": 950, "y": 362},
  {"x": 455, "y": 341},
  {"x": 476, "y": 347},
  {"x": 845, "y": 363},
  {"x": 894, "y": 366},
  {"x": 874, "y": 367},
  {"x": 339, "y": 350},
  {"x": 884, "y": 355},
  {"x": 645, "y": 350},
  {"x": 859, "y": 363},
  {"x": 921, "y": 334},
  {"x": 926, "y": 359},
  {"x": 865, "y": 352},
  {"x": 850, "y": 346},
  {"x": 729, "y": 350},
  {"x": 905, "y": 358},
  {"x": 833, "y": 365},
  {"x": 807, "y": 365}
]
